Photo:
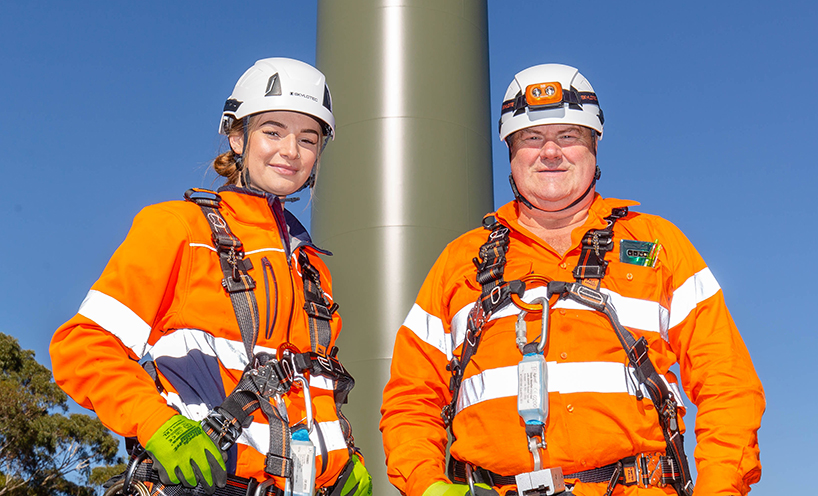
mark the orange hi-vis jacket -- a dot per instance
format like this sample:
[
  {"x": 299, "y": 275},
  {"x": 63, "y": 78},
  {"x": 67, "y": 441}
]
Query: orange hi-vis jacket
[
  {"x": 595, "y": 418},
  {"x": 160, "y": 299}
]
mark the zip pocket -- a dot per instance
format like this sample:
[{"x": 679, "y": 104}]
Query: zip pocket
[{"x": 266, "y": 266}]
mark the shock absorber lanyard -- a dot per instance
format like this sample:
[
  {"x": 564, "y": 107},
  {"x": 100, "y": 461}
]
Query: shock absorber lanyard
[{"x": 532, "y": 383}]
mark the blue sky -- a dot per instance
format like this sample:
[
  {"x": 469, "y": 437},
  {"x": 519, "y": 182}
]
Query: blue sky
[{"x": 710, "y": 120}]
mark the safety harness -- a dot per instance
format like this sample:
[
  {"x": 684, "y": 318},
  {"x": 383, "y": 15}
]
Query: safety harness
[
  {"x": 267, "y": 378},
  {"x": 644, "y": 469}
]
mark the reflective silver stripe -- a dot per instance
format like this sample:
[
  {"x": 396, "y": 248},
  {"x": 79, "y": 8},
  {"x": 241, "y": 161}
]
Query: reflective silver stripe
[
  {"x": 118, "y": 319},
  {"x": 230, "y": 353},
  {"x": 252, "y": 252},
  {"x": 697, "y": 288},
  {"x": 193, "y": 412},
  {"x": 257, "y": 436},
  {"x": 213, "y": 248},
  {"x": 179, "y": 343},
  {"x": 429, "y": 329},
  {"x": 202, "y": 245},
  {"x": 563, "y": 378},
  {"x": 640, "y": 314}
]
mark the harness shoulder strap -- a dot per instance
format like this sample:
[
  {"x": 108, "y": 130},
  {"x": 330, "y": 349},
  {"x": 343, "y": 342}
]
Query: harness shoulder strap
[
  {"x": 237, "y": 282},
  {"x": 317, "y": 306},
  {"x": 225, "y": 422},
  {"x": 595, "y": 244},
  {"x": 589, "y": 273},
  {"x": 495, "y": 293},
  {"x": 322, "y": 360}
]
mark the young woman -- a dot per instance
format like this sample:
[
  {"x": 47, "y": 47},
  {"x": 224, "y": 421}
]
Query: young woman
[{"x": 210, "y": 335}]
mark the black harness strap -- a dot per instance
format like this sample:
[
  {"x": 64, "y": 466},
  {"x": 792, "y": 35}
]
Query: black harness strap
[
  {"x": 236, "y": 486},
  {"x": 320, "y": 312},
  {"x": 646, "y": 374},
  {"x": 595, "y": 244},
  {"x": 316, "y": 305},
  {"x": 589, "y": 273},
  {"x": 264, "y": 377},
  {"x": 495, "y": 293},
  {"x": 237, "y": 282}
]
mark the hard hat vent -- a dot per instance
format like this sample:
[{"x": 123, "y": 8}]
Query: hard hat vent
[
  {"x": 327, "y": 98},
  {"x": 273, "y": 86}
]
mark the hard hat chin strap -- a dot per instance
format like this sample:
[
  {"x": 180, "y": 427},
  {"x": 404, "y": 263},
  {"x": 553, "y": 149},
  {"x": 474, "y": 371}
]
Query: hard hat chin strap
[
  {"x": 520, "y": 198},
  {"x": 246, "y": 180}
]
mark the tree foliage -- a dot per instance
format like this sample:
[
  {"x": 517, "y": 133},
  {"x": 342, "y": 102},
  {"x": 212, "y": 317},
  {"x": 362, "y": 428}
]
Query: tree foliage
[{"x": 42, "y": 450}]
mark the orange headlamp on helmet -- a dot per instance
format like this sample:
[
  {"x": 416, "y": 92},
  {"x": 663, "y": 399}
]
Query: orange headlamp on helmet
[{"x": 549, "y": 94}]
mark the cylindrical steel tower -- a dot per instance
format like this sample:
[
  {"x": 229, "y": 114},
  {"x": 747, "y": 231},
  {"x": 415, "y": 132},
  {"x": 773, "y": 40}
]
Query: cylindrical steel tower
[{"x": 409, "y": 171}]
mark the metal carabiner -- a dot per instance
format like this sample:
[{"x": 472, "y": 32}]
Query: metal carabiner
[
  {"x": 127, "y": 486},
  {"x": 528, "y": 279},
  {"x": 305, "y": 386},
  {"x": 470, "y": 479},
  {"x": 520, "y": 326},
  {"x": 261, "y": 489}
]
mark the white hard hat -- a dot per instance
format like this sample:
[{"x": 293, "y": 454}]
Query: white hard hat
[
  {"x": 549, "y": 94},
  {"x": 280, "y": 84}
]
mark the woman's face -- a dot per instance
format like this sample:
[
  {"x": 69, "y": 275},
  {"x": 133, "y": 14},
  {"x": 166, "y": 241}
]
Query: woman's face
[{"x": 282, "y": 150}]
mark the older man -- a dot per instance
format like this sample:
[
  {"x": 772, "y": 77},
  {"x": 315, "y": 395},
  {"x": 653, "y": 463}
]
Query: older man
[{"x": 544, "y": 340}]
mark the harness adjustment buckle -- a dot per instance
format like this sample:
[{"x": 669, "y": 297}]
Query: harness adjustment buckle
[
  {"x": 273, "y": 377},
  {"x": 639, "y": 353},
  {"x": 222, "y": 431}
]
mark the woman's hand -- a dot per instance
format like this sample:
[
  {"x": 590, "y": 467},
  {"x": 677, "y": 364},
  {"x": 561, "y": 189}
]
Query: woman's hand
[{"x": 183, "y": 454}]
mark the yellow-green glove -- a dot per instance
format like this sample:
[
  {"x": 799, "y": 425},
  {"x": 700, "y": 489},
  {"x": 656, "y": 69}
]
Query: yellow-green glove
[
  {"x": 183, "y": 454},
  {"x": 354, "y": 480},
  {"x": 441, "y": 488}
]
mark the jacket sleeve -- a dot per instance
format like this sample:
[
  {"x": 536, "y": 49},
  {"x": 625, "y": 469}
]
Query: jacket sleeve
[
  {"x": 95, "y": 354},
  {"x": 717, "y": 375},
  {"x": 414, "y": 435}
]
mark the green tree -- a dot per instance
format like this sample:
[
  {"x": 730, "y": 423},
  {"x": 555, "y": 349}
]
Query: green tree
[{"x": 43, "y": 451}]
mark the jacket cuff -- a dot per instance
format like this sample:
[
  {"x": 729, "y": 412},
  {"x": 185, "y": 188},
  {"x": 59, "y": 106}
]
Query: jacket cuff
[
  {"x": 720, "y": 480},
  {"x": 418, "y": 483},
  {"x": 148, "y": 427}
]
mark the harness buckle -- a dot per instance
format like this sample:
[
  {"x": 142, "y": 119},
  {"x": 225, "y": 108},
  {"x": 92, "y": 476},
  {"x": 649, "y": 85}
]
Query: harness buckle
[
  {"x": 543, "y": 482},
  {"x": 639, "y": 353},
  {"x": 669, "y": 413},
  {"x": 222, "y": 431},
  {"x": 203, "y": 197},
  {"x": 650, "y": 470},
  {"x": 273, "y": 377}
]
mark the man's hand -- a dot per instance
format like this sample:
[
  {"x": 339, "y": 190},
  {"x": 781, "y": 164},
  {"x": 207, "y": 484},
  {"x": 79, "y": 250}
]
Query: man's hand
[
  {"x": 441, "y": 488},
  {"x": 183, "y": 454}
]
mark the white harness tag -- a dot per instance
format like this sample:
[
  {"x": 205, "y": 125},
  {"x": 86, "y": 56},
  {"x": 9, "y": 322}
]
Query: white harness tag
[
  {"x": 532, "y": 392},
  {"x": 303, "y": 453}
]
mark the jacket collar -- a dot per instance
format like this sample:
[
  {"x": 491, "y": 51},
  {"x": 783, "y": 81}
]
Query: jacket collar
[
  {"x": 509, "y": 214},
  {"x": 267, "y": 212}
]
